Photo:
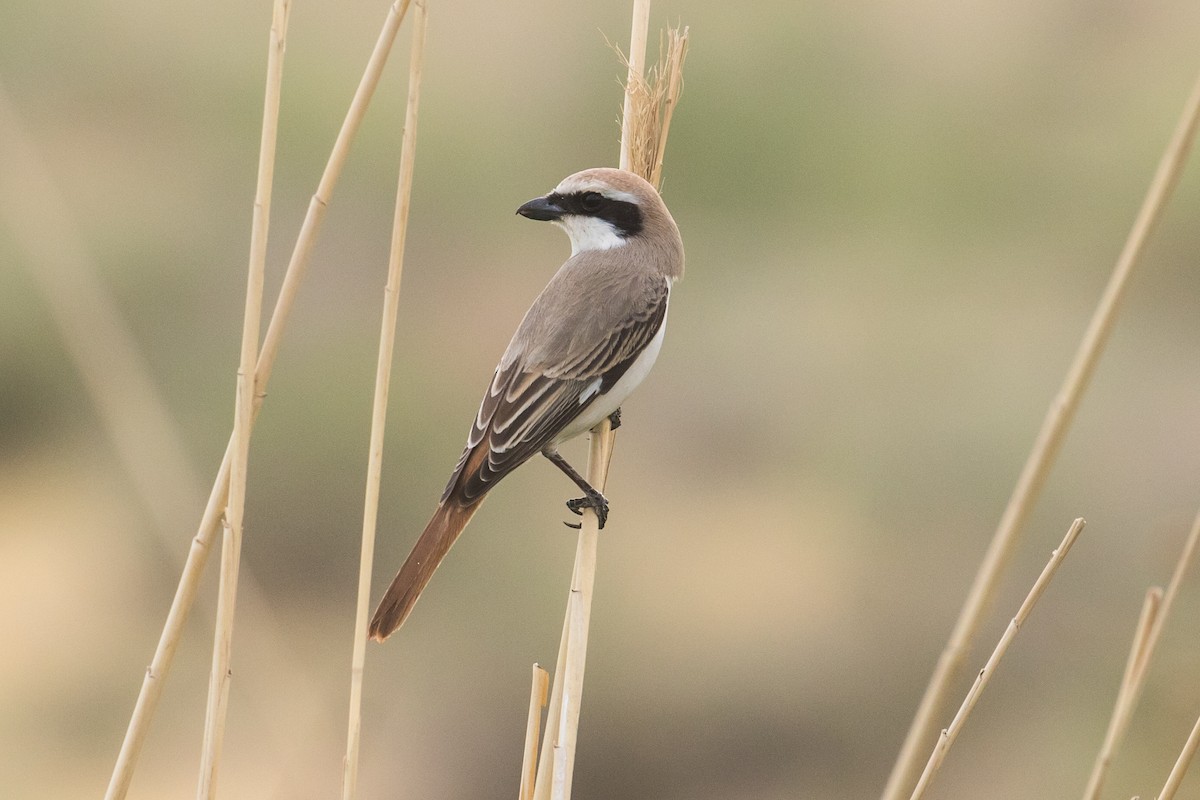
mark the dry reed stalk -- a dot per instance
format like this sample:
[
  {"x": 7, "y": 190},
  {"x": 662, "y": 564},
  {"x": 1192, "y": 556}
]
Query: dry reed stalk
[
  {"x": 221, "y": 674},
  {"x": 119, "y": 383},
  {"x": 383, "y": 376},
  {"x": 545, "y": 759},
  {"x": 1186, "y": 557},
  {"x": 189, "y": 582},
  {"x": 1126, "y": 694},
  {"x": 1045, "y": 449},
  {"x": 1181, "y": 764},
  {"x": 651, "y": 97},
  {"x": 537, "y": 701},
  {"x": 951, "y": 733},
  {"x": 1145, "y": 642},
  {"x": 645, "y": 122},
  {"x": 231, "y": 545},
  {"x": 672, "y": 53},
  {"x": 579, "y": 615},
  {"x": 556, "y": 763},
  {"x": 636, "y": 62}
]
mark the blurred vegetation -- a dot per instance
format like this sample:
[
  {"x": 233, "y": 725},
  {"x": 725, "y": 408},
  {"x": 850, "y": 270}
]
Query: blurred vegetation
[{"x": 898, "y": 219}]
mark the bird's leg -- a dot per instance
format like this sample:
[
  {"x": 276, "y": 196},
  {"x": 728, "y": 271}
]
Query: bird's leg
[
  {"x": 614, "y": 419},
  {"x": 591, "y": 499}
]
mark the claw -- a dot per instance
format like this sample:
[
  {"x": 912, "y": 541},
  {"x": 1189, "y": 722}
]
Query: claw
[
  {"x": 614, "y": 419},
  {"x": 574, "y": 525},
  {"x": 595, "y": 501}
]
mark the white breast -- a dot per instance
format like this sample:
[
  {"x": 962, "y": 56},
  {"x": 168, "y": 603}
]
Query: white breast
[{"x": 611, "y": 400}]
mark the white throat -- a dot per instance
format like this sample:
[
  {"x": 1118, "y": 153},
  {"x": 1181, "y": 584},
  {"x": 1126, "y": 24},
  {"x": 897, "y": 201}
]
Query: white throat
[{"x": 589, "y": 233}]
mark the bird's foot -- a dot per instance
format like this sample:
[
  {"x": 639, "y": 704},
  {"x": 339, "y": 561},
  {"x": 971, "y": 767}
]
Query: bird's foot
[
  {"x": 593, "y": 500},
  {"x": 614, "y": 419}
]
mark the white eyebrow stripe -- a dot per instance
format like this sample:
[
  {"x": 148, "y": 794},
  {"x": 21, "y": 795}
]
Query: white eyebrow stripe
[{"x": 570, "y": 186}]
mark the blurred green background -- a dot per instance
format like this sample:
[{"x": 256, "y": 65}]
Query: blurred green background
[{"x": 898, "y": 219}]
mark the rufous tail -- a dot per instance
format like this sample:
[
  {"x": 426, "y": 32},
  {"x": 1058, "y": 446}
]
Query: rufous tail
[{"x": 441, "y": 532}]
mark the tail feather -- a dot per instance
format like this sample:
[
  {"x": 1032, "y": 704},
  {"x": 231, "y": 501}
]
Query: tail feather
[{"x": 441, "y": 532}]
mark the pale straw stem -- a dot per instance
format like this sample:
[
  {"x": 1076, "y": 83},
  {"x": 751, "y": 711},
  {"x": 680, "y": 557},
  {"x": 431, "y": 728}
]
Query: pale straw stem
[
  {"x": 119, "y": 383},
  {"x": 1186, "y": 557},
  {"x": 383, "y": 377},
  {"x": 641, "y": 129},
  {"x": 1181, "y": 764},
  {"x": 672, "y": 62},
  {"x": 185, "y": 594},
  {"x": 1126, "y": 694},
  {"x": 1041, "y": 458},
  {"x": 637, "y": 68},
  {"x": 1145, "y": 644},
  {"x": 537, "y": 701},
  {"x": 556, "y": 765},
  {"x": 220, "y": 675},
  {"x": 985, "y": 675},
  {"x": 556, "y": 762}
]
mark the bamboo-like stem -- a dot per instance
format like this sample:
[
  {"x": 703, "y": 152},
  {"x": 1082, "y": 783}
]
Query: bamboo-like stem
[
  {"x": 1181, "y": 764},
  {"x": 1126, "y": 694},
  {"x": 545, "y": 766},
  {"x": 329, "y": 178},
  {"x": 637, "y": 68},
  {"x": 1145, "y": 641},
  {"x": 1045, "y": 449},
  {"x": 671, "y": 62},
  {"x": 220, "y": 675},
  {"x": 951, "y": 733},
  {"x": 1186, "y": 557},
  {"x": 120, "y": 385},
  {"x": 537, "y": 701},
  {"x": 644, "y": 125},
  {"x": 185, "y": 593},
  {"x": 557, "y": 755},
  {"x": 168, "y": 642},
  {"x": 383, "y": 376},
  {"x": 651, "y": 96},
  {"x": 579, "y": 614}
]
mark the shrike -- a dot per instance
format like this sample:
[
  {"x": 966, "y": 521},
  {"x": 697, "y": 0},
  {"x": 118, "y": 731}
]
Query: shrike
[{"x": 586, "y": 342}]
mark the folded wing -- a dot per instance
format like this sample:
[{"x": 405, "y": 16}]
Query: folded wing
[{"x": 525, "y": 407}]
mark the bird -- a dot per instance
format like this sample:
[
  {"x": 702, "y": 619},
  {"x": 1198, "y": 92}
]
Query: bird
[{"x": 587, "y": 341}]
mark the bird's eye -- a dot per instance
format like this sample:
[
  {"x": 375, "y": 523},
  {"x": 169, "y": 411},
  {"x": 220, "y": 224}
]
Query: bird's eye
[{"x": 591, "y": 201}]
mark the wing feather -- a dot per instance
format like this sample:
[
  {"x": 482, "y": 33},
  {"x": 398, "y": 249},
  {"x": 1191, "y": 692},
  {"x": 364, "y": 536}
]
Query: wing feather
[{"x": 525, "y": 407}]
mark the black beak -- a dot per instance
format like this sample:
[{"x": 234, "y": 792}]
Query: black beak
[{"x": 542, "y": 208}]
